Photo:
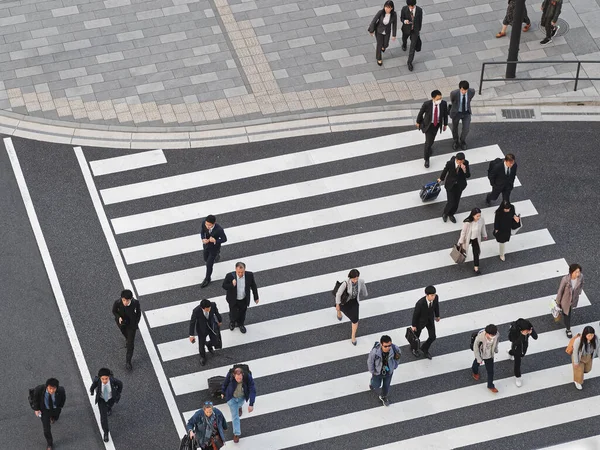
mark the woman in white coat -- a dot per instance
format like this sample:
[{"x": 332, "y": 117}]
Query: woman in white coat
[{"x": 473, "y": 232}]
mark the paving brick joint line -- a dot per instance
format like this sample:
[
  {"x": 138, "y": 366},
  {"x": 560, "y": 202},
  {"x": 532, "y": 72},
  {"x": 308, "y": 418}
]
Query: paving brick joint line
[{"x": 196, "y": 62}]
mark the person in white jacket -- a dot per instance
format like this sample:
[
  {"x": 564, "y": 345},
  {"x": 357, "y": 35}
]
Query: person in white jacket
[
  {"x": 585, "y": 349},
  {"x": 473, "y": 232},
  {"x": 484, "y": 348}
]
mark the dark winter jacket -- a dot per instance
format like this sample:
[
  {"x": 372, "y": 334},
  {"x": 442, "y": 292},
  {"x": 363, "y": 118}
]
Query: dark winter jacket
[
  {"x": 230, "y": 384},
  {"x": 504, "y": 223},
  {"x": 521, "y": 342},
  {"x": 550, "y": 11}
]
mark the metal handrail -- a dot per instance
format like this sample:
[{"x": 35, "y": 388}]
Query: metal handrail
[{"x": 576, "y": 78}]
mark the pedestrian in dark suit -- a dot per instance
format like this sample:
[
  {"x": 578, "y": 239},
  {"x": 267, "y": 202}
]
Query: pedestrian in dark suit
[
  {"x": 108, "y": 392},
  {"x": 461, "y": 111},
  {"x": 238, "y": 285},
  {"x": 206, "y": 321},
  {"x": 455, "y": 176},
  {"x": 505, "y": 220},
  {"x": 426, "y": 313},
  {"x": 213, "y": 236},
  {"x": 127, "y": 314},
  {"x": 383, "y": 26},
  {"x": 502, "y": 179},
  {"x": 430, "y": 120},
  {"x": 411, "y": 17},
  {"x": 49, "y": 400}
]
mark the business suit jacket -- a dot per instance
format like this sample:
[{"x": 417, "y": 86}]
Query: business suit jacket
[
  {"x": 38, "y": 395},
  {"x": 452, "y": 178},
  {"x": 231, "y": 290},
  {"x": 378, "y": 25},
  {"x": 201, "y": 325},
  {"x": 455, "y": 100},
  {"x": 116, "y": 387},
  {"x": 423, "y": 314},
  {"x": 498, "y": 178},
  {"x": 131, "y": 315},
  {"x": 417, "y": 22},
  {"x": 218, "y": 233},
  {"x": 425, "y": 116}
]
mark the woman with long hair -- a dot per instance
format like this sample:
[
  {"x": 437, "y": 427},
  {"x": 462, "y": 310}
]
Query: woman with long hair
[
  {"x": 568, "y": 294},
  {"x": 505, "y": 220},
  {"x": 585, "y": 349},
  {"x": 383, "y": 26},
  {"x": 473, "y": 232},
  {"x": 354, "y": 288}
]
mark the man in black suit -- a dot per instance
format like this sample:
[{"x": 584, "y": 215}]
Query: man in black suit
[
  {"x": 502, "y": 178},
  {"x": 48, "y": 402},
  {"x": 205, "y": 322},
  {"x": 108, "y": 392},
  {"x": 213, "y": 236},
  {"x": 461, "y": 110},
  {"x": 431, "y": 118},
  {"x": 411, "y": 18},
  {"x": 455, "y": 176},
  {"x": 127, "y": 314},
  {"x": 426, "y": 313},
  {"x": 238, "y": 285}
]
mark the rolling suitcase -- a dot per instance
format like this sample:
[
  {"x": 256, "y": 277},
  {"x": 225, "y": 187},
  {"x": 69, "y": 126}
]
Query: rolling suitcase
[
  {"x": 214, "y": 387},
  {"x": 412, "y": 339},
  {"x": 430, "y": 191}
]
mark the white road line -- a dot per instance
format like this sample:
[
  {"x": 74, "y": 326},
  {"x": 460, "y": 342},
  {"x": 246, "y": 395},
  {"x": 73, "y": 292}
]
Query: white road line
[
  {"x": 127, "y": 162},
  {"x": 126, "y": 282},
  {"x": 536, "y": 419},
  {"x": 324, "y": 283},
  {"x": 298, "y": 222},
  {"x": 263, "y": 166},
  {"x": 266, "y": 366},
  {"x": 294, "y": 191},
  {"x": 422, "y": 407},
  {"x": 319, "y": 250},
  {"x": 419, "y": 369},
  {"x": 53, "y": 279}
]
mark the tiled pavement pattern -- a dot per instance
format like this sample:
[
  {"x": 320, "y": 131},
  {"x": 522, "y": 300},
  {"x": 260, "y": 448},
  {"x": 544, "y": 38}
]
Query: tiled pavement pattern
[{"x": 192, "y": 62}]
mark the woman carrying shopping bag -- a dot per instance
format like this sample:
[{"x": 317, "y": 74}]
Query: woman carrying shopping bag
[
  {"x": 585, "y": 349},
  {"x": 473, "y": 232},
  {"x": 568, "y": 294},
  {"x": 505, "y": 221}
]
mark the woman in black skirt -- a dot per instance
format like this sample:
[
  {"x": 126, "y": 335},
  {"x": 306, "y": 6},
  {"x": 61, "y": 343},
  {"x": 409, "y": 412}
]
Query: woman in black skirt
[
  {"x": 505, "y": 221},
  {"x": 355, "y": 288}
]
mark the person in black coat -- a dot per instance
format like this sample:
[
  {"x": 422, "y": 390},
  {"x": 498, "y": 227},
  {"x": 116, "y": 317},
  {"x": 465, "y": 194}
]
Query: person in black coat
[
  {"x": 455, "y": 174},
  {"x": 505, "y": 220},
  {"x": 206, "y": 321},
  {"x": 411, "y": 18},
  {"x": 213, "y": 236},
  {"x": 48, "y": 401},
  {"x": 108, "y": 392},
  {"x": 425, "y": 314},
  {"x": 127, "y": 314},
  {"x": 383, "y": 26},
  {"x": 238, "y": 285},
  {"x": 519, "y": 341},
  {"x": 502, "y": 179},
  {"x": 432, "y": 116}
]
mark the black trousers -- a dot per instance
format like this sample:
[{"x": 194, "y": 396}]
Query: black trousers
[
  {"x": 203, "y": 344},
  {"x": 430, "y": 135},
  {"x": 237, "y": 312},
  {"x": 383, "y": 41},
  {"x": 129, "y": 333},
  {"x": 453, "y": 195},
  {"x": 476, "y": 252},
  {"x": 209, "y": 259},
  {"x": 104, "y": 407},
  {"x": 466, "y": 126},
  {"x": 496, "y": 191},
  {"x": 567, "y": 318},
  {"x": 549, "y": 27},
  {"x": 516, "y": 353},
  {"x": 46, "y": 416},
  {"x": 414, "y": 37},
  {"x": 431, "y": 332}
]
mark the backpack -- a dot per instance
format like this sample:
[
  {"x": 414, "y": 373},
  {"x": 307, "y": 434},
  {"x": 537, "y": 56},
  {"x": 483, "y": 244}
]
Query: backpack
[
  {"x": 513, "y": 332},
  {"x": 345, "y": 294},
  {"x": 244, "y": 367},
  {"x": 473, "y": 337},
  {"x": 31, "y": 399},
  {"x": 493, "y": 163}
]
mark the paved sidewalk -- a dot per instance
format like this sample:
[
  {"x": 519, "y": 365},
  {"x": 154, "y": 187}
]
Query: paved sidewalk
[{"x": 175, "y": 63}]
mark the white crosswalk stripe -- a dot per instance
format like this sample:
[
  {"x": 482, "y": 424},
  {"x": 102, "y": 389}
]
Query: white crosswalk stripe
[{"x": 294, "y": 344}]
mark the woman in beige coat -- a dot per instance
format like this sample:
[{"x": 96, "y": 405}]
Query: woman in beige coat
[
  {"x": 585, "y": 349},
  {"x": 568, "y": 293},
  {"x": 473, "y": 231}
]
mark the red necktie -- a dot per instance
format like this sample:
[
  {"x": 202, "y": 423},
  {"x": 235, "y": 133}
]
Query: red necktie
[{"x": 435, "y": 116}]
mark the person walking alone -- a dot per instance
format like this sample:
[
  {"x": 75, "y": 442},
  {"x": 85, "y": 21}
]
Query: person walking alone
[
  {"x": 484, "y": 349},
  {"x": 518, "y": 335},
  {"x": 567, "y": 297},
  {"x": 502, "y": 176},
  {"x": 509, "y": 18},
  {"x": 550, "y": 12},
  {"x": 426, "y": 313},
  {"x": 238, "y": 388},
  {"x": 127, "y": 314},
  {"x": 382, "y": 361},
  {"x": 461, "y": 112},
  {"x": 585, "y": 349},
  {"x": 212, "y": 235},
  {"x": 238, "y": 285},
  {"x": 206, "y": 322},
  {"x": 432, "y": 118},
  {"x": 108, "y": 392},
  {"x": 48, "y": 401},
  {"x": 383, "y": 26},
  {"x": 352, "y": 290},
  {"x": 411, "y": 17},
  {"x": 455, "y": 174},
  {"x": 472, "y": 233},
  {"x": 505, "y": 220}
]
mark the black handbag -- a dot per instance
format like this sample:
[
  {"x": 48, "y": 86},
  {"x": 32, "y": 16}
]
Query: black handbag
[
  {"x": 345, "y": 294},
  {"x": 418, "y": 44},
  {"x": 412, "y": 339}
]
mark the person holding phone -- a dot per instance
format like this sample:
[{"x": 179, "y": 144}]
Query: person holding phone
[
  {"x": 505, "y": 221},
  {"x": 455, "y": 174},
  {"x": 411, "y": 17}
]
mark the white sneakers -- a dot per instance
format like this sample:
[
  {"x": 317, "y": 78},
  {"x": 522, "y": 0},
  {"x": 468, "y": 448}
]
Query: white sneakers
[
  {"x": 518, "y": 382},
  {"x": 577, "y": 385},
  {"x": 512, "y": 358}
]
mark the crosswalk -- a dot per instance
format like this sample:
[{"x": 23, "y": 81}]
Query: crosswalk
[{"x": 301, "y": 221}]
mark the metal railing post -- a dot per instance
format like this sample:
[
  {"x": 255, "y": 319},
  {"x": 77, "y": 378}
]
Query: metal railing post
[
  {"x": 577, "y": 75},
  {"x": 481, "y": 78}
]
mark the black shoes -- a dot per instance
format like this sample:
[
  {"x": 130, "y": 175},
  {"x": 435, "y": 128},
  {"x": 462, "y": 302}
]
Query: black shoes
[
  {"x": 404, "y": 47},
  {"x": 416, "y": 353},
  {"x": 202, "y": 361},
  {"x": 211, "y": 350},
  {"x": 428, "y": 355},
  {"x": 384, "y": 400},
  {"x": 452, "y": 219},
  {"x": 427, "y": 164},
  {"x": 545, "y": 41},
  {"x": 380, "y": 63},
  {"x": 444, "y": 217},
  {"x": 128, "y": 366},
  {"x": 455, "y": 146},
  {"x": 105, "y": 437},
  {"x": 554, "y": 31},
  {"x": 382, "y": 50},
  {"x": 410, "y": 67},
  {"x": 477, "y": 272},
  {"x": 463, "y": 145},
  {"x": 205, "y": 283},
  {"x": 242, "y": 328},
  {"x": 231, "y": 326}
]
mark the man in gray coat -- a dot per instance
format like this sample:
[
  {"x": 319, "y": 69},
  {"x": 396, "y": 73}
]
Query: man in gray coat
[
  {"x": 461, "y": 110},
  {"x": 383, "y": 359}
]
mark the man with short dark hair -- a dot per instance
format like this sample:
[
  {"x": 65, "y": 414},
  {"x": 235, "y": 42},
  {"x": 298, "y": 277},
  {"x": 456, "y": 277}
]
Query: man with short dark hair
[
  {"x": 484, "y": 348},
  {"x": 238, "y": 285},
  {"x": 206, "y": 321},
  {"x": 502, "y": 179},
  {"x": 425, "y": 314},
  {"x": 127, "y": 314},
  {"x": 455, "y": 174},
  {"x": 430, "y": 120},
  {"x": 212, "y": 235},
  {"x": 411, "y": 18},
  {"x": 461, "y": 111},
  {"x": 238, "y": 388},
  {"x": 383, "y": 359},
  {"x": 108, "y": 392},
  {"x": 49, "y": 399}
]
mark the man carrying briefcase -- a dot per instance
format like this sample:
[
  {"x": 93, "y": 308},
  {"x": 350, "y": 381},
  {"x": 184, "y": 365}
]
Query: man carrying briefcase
[{"x": 426, "y": 313}]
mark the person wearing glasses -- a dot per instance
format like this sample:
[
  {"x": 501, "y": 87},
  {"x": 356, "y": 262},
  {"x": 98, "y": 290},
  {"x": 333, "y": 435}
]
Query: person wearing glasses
[
  {"x": 383, "y": 359},
  {"x": 207, "y": 426}
]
